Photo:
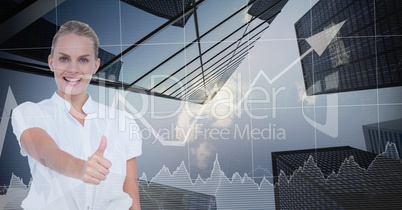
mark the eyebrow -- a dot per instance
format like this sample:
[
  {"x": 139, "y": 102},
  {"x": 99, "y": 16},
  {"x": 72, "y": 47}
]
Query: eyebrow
[{"x": 85, "y": 55}]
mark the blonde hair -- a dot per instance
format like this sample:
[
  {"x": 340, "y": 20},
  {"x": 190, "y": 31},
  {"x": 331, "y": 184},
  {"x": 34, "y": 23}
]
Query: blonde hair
[{"x": 77, "y": 28}]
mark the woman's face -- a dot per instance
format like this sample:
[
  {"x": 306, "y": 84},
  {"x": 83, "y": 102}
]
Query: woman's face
[{"x": 73, "y": 63}]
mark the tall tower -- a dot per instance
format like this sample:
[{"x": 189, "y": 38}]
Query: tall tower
[
  {"x": 367, "y": 52},
  {"x": 323, "y": 178},
  {"x": 377, "y": 135}
]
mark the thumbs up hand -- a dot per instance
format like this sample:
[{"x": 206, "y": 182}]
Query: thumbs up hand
[
  {"x": 96, "y": 168},
  {"x": 102, "y": 146}
]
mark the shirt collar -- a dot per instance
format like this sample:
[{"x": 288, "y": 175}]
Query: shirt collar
[{"x": 88, "y": 108}]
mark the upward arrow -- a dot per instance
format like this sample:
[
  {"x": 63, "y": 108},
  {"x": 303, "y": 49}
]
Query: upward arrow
[{"x": 319, "y": 42}]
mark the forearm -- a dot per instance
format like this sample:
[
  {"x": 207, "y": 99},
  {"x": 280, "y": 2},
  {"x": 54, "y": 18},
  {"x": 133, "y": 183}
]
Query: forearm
[
  {"x": 43, "y": 149},
  {"x": 62, "y": 162},
  {"x": 132, "y": 190},
  {"x": 131, "y": 184}
]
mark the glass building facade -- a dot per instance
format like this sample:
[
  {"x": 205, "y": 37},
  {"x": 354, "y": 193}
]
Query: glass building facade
[
  {"x": 181, "y": 49},
  {"x": 158, "y": 196},
  {"x": 365, "y": 54},
  {"x": 337, "y": 178},
  {"x": 377, "y": 135},
  {"x": 327, "y": 159}
]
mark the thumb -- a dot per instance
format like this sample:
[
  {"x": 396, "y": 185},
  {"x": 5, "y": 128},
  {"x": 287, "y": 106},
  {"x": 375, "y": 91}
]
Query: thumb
[{"x": 102, "y": 146}]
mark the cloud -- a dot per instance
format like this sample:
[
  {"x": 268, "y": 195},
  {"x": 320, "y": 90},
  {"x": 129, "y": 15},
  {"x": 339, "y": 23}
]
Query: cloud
[
  {"x": 220, "y": 112},
  {"x": 185, "y": 126},
  {"x": 222, "y": 123},
  {"x": 202, "y": 154},
  {"x": 246, "y": 16}
]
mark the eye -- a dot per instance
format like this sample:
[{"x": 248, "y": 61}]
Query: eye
[
  {"x": 83, "y": 60},
  {"x": 63, "y": 59}
]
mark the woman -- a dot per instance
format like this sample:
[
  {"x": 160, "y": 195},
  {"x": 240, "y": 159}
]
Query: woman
[{"x": 80, "y": 152}]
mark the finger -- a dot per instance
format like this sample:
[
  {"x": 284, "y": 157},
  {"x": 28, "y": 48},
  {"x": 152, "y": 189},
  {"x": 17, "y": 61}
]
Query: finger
[
  {"x": 100, "y": 169},
  {"x": 104, "y": 162},
  {"x": 102, "y": 146},
  {"x": 91, "y": 180},
  {"x": 98, "y": 175},
  {"x": 88, "y": 178},
  {"x": 99, "y": 163}
]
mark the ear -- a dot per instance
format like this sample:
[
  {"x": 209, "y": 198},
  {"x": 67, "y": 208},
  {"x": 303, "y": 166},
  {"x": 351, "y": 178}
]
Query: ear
[
  {"x": 50, "y": 62},
  {"x": 96, "y": 67}
]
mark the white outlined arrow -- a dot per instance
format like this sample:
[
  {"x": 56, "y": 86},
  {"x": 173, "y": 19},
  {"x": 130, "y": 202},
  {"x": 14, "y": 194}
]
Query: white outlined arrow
[{"x": 318, "y": 42}]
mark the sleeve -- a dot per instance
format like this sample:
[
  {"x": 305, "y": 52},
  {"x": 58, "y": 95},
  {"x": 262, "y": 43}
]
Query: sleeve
[
  {"x": 134, "y": 141},
  {"x": 25, "y": 116}
]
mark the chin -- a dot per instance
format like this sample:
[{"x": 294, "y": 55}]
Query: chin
[{"x": 72, "y": 91}]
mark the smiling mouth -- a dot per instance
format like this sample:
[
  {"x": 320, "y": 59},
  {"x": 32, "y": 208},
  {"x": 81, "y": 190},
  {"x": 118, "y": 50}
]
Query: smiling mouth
[{"x": 72, "y": 81}]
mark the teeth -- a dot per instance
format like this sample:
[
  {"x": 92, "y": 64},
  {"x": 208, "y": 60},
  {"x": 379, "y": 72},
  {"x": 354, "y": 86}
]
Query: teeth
[{"x": 72, "y": 79}]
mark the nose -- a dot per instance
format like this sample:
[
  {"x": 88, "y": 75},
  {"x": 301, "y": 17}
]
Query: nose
[{"x": 73, "y": 67}]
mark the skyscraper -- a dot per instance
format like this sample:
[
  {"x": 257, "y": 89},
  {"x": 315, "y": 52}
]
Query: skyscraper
[
  {"x": 377, "y": 135},
  {"x": 367, "y": 52},
  {"x": 178, "y": 49},
  {"x": 329, "y": 160},
  {"x": 350, "y": 185},
  {"x": 165, "y": 9},
  {"x": 159, "y": 196}
]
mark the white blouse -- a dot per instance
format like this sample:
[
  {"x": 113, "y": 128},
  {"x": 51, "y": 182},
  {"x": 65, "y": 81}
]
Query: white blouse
[{"x": 51, "y": 190}]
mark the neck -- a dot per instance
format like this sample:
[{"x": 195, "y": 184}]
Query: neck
[{"x": 76, "y": 101}]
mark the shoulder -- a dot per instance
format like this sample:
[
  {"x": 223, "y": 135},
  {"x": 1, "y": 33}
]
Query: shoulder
[
  {"x": 28, "y": 115},
  {"x": 26, "y": 106},
  {"x": 29, "y": 106}
]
